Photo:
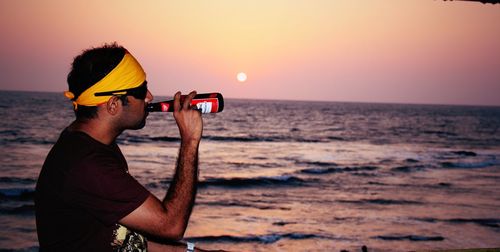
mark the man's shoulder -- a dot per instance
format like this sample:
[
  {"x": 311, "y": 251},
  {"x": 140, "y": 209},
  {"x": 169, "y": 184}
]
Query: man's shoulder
[
  {"x": 81, "y": 144},
  {"x": 75, "y": 150},
  {"x": 78, "y": 137}
]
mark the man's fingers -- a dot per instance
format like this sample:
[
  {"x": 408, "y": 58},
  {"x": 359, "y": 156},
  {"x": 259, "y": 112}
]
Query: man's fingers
[
  {"x": 187, "y": 101},
  {"x": 177, "y": 101},
  {"x": 183, "y": 102}
]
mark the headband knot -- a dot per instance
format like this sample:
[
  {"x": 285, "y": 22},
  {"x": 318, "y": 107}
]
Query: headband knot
[{"x": 69, "y": 95}]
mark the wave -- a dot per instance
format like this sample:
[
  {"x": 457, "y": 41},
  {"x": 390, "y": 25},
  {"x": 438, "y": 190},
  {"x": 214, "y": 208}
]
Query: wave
[
  {"x": 217, "y": 138},
  {"x": 279, "y": 138},
  {"x": 236, "y": 183},
  {"x": 470, "y": 165},
  {"x": 439, "y": 133},
  {"x": 132, "y": 137},
  {"x": 335, "y": 138},
  {"x": 487, "y": 222},
  {"x": 444, "y": 184},
  {"x": 381, "y": 202},
  {"x": 17, "y": 180},
  {"x": 27, "y": 140},
  {"x": 126, "y": 139},
  {"x": 20, "y": 210},
  {"x": 166, "y": 139},
  {"x": 263, "y": 139},
  {"x": 439, "y": 185},
  {"x": 338, "y": 170},
  {"x": 313, "y": 163},
  {"x": 465, "y": 153},
  {"x": 408, "y": 168},
  {"x": 284, "y": 180},
  {"x": 495, "y": 223},
  {"x": 251, "y": 165},
  {"x": 236, "y": 203},
  {"x": 265, "y": 239},
  {"x": 408, "y": 237},
  {"x": 411, "y": 160},
  {"x": 283, "y": 223},
  {"x": 17, "y": 194},
  {"x": 29, "y": 249},
  {"x": 9, "y": 132}
]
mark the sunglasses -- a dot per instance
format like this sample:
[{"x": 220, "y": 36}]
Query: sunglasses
[{"x": 139, "y": 92}]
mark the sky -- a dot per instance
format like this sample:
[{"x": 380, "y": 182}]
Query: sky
[{"x": 389, "y": 51}]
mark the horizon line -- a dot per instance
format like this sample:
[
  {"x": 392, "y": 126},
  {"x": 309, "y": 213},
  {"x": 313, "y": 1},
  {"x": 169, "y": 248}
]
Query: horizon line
[{"x": 304, "y": 100}]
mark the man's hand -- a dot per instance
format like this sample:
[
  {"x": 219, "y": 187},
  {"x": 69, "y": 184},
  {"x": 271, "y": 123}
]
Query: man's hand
[{"x": 188, "y": 119}]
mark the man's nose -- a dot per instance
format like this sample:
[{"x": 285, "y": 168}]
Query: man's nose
[{"x": 149, "y": 97}]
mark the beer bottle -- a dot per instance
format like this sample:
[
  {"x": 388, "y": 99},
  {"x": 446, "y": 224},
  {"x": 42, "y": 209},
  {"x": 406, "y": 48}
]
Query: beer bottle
[{"x": 206, "y": 103}]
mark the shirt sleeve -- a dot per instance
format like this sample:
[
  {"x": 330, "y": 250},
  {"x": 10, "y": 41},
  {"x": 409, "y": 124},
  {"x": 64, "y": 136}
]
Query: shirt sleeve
[{"x": 102, "y": 186}]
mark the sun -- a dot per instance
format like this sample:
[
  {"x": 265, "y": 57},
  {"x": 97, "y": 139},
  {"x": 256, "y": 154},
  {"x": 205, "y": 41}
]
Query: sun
[{"x": 241, "y": 77}]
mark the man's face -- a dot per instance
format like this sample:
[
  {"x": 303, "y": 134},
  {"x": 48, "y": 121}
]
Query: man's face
[{"x": 134, "y": 112}]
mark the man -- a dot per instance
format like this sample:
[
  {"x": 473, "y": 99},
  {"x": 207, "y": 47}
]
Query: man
[{"x": 85, "y": 199}]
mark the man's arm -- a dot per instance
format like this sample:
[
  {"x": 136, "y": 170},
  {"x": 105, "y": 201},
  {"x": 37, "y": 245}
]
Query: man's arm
[{"x": 168, "y": 219}]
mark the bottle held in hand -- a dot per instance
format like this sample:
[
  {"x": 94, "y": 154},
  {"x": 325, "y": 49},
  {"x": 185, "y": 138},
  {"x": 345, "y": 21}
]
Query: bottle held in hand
[{"x": 206, "y": 103}]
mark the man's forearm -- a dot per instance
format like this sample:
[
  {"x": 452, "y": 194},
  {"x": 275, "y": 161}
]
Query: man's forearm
[{"x": 182, "y": 191}]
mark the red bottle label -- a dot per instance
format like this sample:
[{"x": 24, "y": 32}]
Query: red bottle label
[
  {"x": 207, "y": 105},
  {"x": 164, "y": 106}
]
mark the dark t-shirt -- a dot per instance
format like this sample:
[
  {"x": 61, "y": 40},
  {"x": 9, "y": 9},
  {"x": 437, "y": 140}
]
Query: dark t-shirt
[{"x": 83, "y": 190}]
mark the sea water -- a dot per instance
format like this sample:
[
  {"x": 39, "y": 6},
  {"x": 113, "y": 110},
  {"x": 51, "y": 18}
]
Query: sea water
[{"x": 292, "y": 176}]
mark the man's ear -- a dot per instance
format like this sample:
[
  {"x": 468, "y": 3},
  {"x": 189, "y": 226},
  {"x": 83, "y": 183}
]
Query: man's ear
[{"x": 113, "y": 105}]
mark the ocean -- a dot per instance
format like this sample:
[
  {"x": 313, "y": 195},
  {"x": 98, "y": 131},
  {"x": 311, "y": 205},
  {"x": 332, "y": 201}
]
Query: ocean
[{"x": 292, "y": 175}]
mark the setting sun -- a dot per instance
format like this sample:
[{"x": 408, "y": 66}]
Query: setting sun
[{"x": 242, "y": 77}]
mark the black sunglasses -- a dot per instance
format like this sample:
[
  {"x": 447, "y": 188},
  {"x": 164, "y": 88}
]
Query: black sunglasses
[{"x": 139, "y": 92}]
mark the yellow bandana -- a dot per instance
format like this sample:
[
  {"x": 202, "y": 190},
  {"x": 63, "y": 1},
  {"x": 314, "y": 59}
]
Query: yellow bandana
[{"x": 127, "y": 74}]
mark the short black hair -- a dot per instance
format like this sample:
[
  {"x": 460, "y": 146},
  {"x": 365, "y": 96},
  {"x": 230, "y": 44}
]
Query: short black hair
[{"x": 90, "y": 67}]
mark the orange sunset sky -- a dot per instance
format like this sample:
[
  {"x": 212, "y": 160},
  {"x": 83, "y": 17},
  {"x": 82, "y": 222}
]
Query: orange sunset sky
[{"x": 412, "y": 51}]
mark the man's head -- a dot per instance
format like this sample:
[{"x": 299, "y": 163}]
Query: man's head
[{"x": 102, "y": 75}]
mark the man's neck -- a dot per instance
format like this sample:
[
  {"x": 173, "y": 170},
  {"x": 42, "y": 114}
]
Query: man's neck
[{"x": 97, "y": 129}]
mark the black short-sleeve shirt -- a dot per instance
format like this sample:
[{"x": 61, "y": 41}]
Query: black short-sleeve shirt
[{"x": 83, "y": 190}]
